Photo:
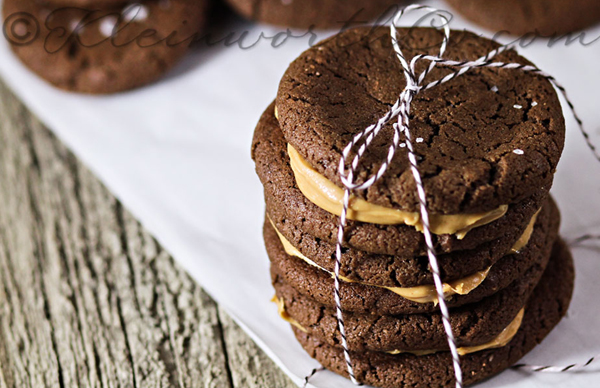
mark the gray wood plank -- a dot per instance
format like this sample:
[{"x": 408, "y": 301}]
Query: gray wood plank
[
  {"x": 250, "y": 367},
  {"x": 87, "y": 297}
]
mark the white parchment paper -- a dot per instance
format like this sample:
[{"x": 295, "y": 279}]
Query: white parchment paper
[{"x": 177, "y": 154}]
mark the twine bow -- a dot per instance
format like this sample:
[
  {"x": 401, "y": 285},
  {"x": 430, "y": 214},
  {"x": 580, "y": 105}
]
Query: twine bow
[{"x": 401, "y": 112}]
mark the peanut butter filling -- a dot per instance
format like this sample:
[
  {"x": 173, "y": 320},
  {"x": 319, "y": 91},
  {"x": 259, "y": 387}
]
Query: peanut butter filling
[
  {"x": 326, "y": 195},
  {"x": 419, "y": 294},
  {"x": 284, "y": 315},
  {"x": 502, "y": 340},
  {"x": 526, "y": 236}
]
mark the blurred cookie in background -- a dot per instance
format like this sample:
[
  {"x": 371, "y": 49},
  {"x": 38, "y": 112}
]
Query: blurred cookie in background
[
  {"x": 102, "y": 50},
  {"x": 85, "y": 3},
  {"x": 519, "y": 17},
  {"x": 314, "y": 13}
]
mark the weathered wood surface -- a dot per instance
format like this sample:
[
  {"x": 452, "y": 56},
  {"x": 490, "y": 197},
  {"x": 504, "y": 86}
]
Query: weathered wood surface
[{"x": 87, "y": 297}]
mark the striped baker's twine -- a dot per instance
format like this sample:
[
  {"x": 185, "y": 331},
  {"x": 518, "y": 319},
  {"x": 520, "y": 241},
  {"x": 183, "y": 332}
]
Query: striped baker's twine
[
  {"x": 581, "y": 239},
  {"x": 401, "y": 110},
  {"x": 554, "y": 369},
  {"x": 571, "y": 367},
  {"x": 311, "y": 374}
]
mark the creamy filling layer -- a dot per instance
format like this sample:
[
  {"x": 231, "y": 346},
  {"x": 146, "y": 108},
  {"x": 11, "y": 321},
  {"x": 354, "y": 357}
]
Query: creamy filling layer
[
  {"x": 526, "y": 236},
  {"x": 425, "y": 293},
  {"x": 329, "y": 197},
  {"x": 284, "y": 315},
  {"x": 419, "y": 294},
  {"x": 501, "y": 340}
]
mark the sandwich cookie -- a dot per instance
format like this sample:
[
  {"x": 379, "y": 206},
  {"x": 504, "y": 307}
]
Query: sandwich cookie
[
  {"x": 473, "y": 324},
  {"x": 317, "y": 283},
  {"x": 407, "y": 271},
  {"x": 486, "y": 140},
  {"x": 294, "y": 214},
  {"x": 103, "y": 50}
]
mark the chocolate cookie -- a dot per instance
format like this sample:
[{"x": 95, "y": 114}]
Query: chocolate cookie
[
  {"x": 548, "y": 304},
  {"x": 293, "y": 214},
  {"x": 314, "y": 13},
  {"x": 519, "y": 17},
  {"x": 318, "y": 284},
  {"x": 473, "y": 324},
  {"x": 411, "y": 271},
  {"x": 102, "y": 51},
  {"x": 92, "y": 4},
  {"x": 488, "y": 138}
]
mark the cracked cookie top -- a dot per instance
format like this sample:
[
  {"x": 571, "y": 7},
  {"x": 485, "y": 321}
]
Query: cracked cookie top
[{"x": 487, "y": 138}]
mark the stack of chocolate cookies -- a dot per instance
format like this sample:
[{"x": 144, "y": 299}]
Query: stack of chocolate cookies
[
  {"x": 102, "y": 46},
  {"x": 487, "y": 142}
]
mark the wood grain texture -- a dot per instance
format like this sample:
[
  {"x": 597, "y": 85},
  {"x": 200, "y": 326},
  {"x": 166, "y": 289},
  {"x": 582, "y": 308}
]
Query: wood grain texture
[
  {"x": 250, "y": 367},
  {"x": 87, "y": 297}
]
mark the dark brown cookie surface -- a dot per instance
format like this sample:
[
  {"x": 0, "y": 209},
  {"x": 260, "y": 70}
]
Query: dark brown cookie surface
[
  {"x": 102, "y": 51},
  {"x": 548, "y": 304},
  {"x": 318, "y": 284},
  {"x": 518, "y": 17},
  {"x": 473, "y": 324},
  {"x": 293, "y": 214},
  {"x": 93, "y": 4},
  {"x": 488, "y": 138},
  {"x": 313, "y": 13},
  {"x": 410, "y": 271}
]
